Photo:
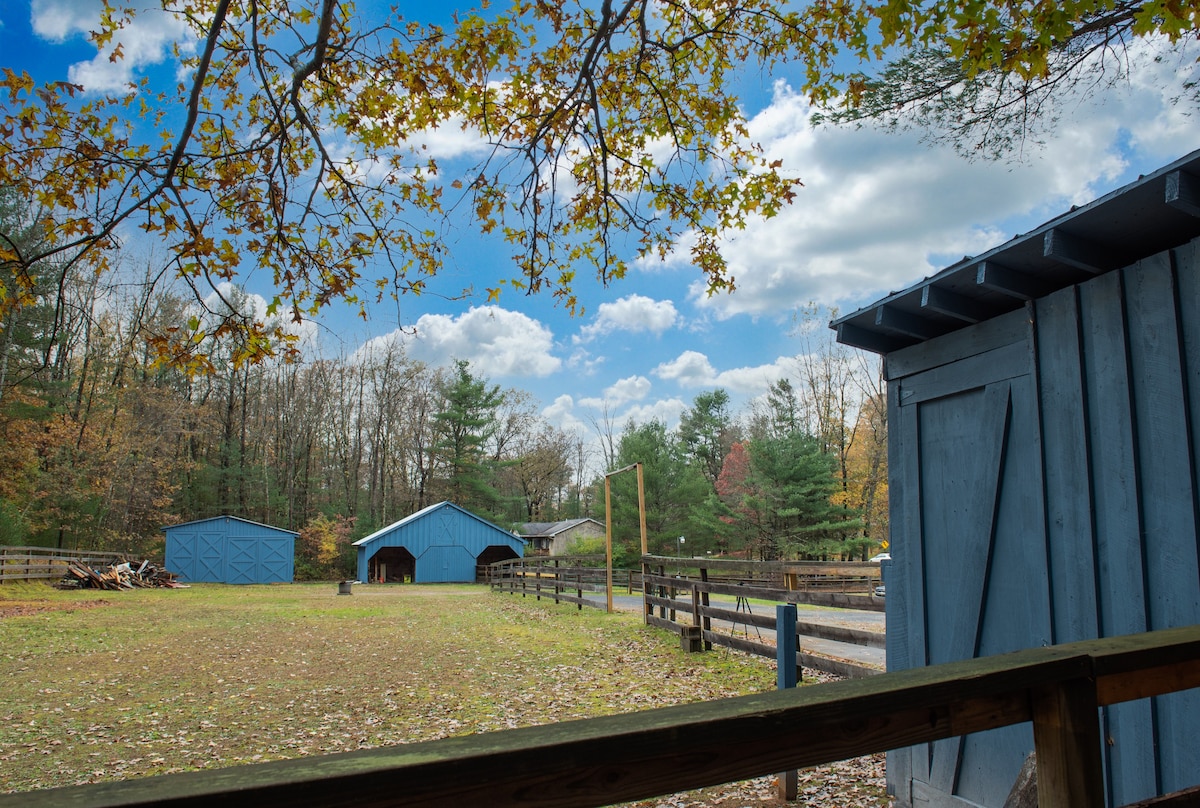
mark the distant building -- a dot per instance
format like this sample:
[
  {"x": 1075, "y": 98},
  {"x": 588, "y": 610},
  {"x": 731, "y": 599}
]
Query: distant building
[
  {"x": 553, "y": 538},
  {"x": 438, "y": 544},
  {"x": 230, "y": 550}
]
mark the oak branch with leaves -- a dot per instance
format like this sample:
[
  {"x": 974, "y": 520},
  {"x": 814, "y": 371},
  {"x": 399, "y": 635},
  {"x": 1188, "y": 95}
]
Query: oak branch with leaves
[{"x": 295, "y": 144}]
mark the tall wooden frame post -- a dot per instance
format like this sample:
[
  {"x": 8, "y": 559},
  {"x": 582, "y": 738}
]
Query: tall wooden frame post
[{"x": 608, "y": 524}]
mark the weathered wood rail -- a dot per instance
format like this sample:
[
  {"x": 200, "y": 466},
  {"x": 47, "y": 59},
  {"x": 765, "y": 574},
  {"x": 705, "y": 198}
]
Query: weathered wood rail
[
  {"x": 33, "y": 563},
  {"x": 694, "y": 614},
  {"x": 601, "y": 761},
  {"x": 562, "y": 579}
]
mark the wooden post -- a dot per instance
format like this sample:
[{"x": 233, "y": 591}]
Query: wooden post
[
  {"x": 785, "y": 678},
  {"x": 608, "y": 539},
  {"x": 642, "y": 507},
  {"x": 1066, "y": 736},
  {"x": 608, "y": 518}
]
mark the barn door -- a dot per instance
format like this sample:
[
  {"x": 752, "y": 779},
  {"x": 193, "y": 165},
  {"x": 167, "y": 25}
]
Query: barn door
[{"x": 969, "y": 575}]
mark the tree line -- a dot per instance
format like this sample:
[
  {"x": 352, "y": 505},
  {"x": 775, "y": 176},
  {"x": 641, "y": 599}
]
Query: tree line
[{"x": 102, "y": 442}]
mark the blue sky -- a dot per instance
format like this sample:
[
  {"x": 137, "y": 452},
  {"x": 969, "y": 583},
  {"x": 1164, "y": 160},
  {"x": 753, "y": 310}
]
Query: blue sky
[{"x": 878, "y": 211}]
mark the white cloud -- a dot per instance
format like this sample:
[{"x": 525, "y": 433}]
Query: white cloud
[
  {"x": 254, "y": 305},
  {"x": 690, "y": 369},
  {"x": 144, "y": 41},
  {"x": 879, "y": 210},
  {"x": 561, "y": 414},
  {"x": 584, "y": 363},
  {"x": 496, "y": 341},
  {"x": 631, "y": 388},
  {"x": 694, "y": 370},
  {"x": 667, "y": 411},
  {"x": 633, "y": 314}
]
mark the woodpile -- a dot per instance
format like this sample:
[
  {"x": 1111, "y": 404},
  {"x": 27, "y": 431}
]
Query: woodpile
[{"x": 118, "y": 576}]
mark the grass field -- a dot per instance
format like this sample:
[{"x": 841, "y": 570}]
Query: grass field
[{"x": 109, "y": 685}]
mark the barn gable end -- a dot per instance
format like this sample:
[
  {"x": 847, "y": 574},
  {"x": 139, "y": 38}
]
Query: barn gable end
[
  {"x": 230, "y": 550},
  {"x": 1044, "y": 417},
  {"x": 438, "y": 544}
]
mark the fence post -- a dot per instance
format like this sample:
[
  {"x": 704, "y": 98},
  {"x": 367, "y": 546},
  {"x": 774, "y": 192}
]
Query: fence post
[
  {"x": 1066, "y": 737},
  {"x": 786, "y": 648},
  {"x": 704, "y": 601}
]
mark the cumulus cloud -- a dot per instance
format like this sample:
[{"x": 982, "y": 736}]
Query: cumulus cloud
[
  {"x": 496, "y": 341},
  {"x": 561, "y": 413},
  {"x": 584, "y": 363},
  {"x": 633, "y": 314},
  {"x": 879, "y": 210},
  {"x": 145, "y": 41},
  {"x": 618, "y": 394},
  {"x": 250, "y": 304},
  {"x": 693, "y": 369},
  {"x": 667, "y": 411},
  {"x": 690, "y": 369}
]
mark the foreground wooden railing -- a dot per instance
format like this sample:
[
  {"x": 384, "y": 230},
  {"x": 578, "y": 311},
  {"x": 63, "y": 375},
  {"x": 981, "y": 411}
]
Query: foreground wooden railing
[{"x": 605, "y": 760}]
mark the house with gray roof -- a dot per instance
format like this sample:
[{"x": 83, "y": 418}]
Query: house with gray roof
[{"x": 553, "y": 538}]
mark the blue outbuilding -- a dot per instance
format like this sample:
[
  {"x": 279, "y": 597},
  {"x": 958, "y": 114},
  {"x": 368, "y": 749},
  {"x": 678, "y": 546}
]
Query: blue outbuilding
[
  {"x": 230, "y": 550},
  {"x": 1044, "y": 469},
  {"x": 438, "y": 544}
]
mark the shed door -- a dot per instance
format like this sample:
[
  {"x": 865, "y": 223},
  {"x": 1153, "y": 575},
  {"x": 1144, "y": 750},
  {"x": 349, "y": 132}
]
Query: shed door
[
  {"x": 210, "y": 556},
  {"x": 181, "y": 555},
  {"x": 969, "y": 573},
  {"x": 242, "y": 567},
  {"x": 275, "y": 560}
]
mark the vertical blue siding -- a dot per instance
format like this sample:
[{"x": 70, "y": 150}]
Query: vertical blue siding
[
  {"x": 1045, "y": 489},
  {"x": 444, "y": 539},
  {"x": 225, "y": 549}
]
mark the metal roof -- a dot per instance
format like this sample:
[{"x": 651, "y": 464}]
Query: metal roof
[
  {"x": 227, "y": 518},
  {"x": 530, "y": 530},
  {"x": 1157, "y": 212},
  {"x": 421, "y": 514}
]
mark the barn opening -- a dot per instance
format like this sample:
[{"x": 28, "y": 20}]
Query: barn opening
[
  {"x": 392, "y": 565},
  {"x": 490, "y": 555}
]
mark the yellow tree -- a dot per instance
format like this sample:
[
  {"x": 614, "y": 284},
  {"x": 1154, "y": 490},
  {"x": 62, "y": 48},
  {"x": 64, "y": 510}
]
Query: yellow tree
[{"x": 294, "y": 146}]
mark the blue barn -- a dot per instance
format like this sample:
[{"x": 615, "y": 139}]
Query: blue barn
[
  {"x": 1044, "y": 442},
  {"x": 230, "y": 550},
  {"x": 438, "y": 544}
]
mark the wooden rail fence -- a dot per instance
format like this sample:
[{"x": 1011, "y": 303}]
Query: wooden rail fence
[
  {"x": 562, "y": 579},
  {"x": 779, "y": 582},
  {"x": 683, "y": 603},
  {"x": 635, "y": 756},
  {"x": 32, "y": 563}
]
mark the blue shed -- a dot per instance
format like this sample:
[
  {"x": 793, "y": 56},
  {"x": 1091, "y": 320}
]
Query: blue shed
[
  {"x": 438, "y": 544},
  {"x": 1044, "y": 448},
  {"x": 230, "y": 550}
]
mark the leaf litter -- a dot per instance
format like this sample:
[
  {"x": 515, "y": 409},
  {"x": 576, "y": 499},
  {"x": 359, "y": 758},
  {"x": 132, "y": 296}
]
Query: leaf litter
[{"x": 162, "y": 681}]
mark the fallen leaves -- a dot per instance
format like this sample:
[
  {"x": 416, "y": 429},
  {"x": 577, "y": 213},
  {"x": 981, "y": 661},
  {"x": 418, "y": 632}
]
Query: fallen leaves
[{"x": 215, "y": 676}]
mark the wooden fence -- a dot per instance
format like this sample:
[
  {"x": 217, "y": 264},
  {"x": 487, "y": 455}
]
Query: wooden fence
[
  {"x": 636, "y": 756},
  {"x": 834, "y": 584},
  {"x": 562, "y": 579},
  {"x": 681, "y": 597},
  {"x": 31, "y": 563}
]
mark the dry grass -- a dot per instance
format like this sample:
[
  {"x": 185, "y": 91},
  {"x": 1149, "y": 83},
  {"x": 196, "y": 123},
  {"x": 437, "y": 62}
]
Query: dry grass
[{"x": 154, "y": 681}]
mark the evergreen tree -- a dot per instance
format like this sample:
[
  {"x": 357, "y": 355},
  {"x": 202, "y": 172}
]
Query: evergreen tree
[
  {"x": 791, "y": 483},
  {"x": 708, "y": 431},
  {"x": 674, "y": 489},
  {"x": 464, "y": 425}
]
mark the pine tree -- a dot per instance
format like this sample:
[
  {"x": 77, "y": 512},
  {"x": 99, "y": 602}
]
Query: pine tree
[{"x": 464, "y": 425}]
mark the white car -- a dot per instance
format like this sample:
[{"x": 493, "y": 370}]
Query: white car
[{"x": 882, "y": 557}]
